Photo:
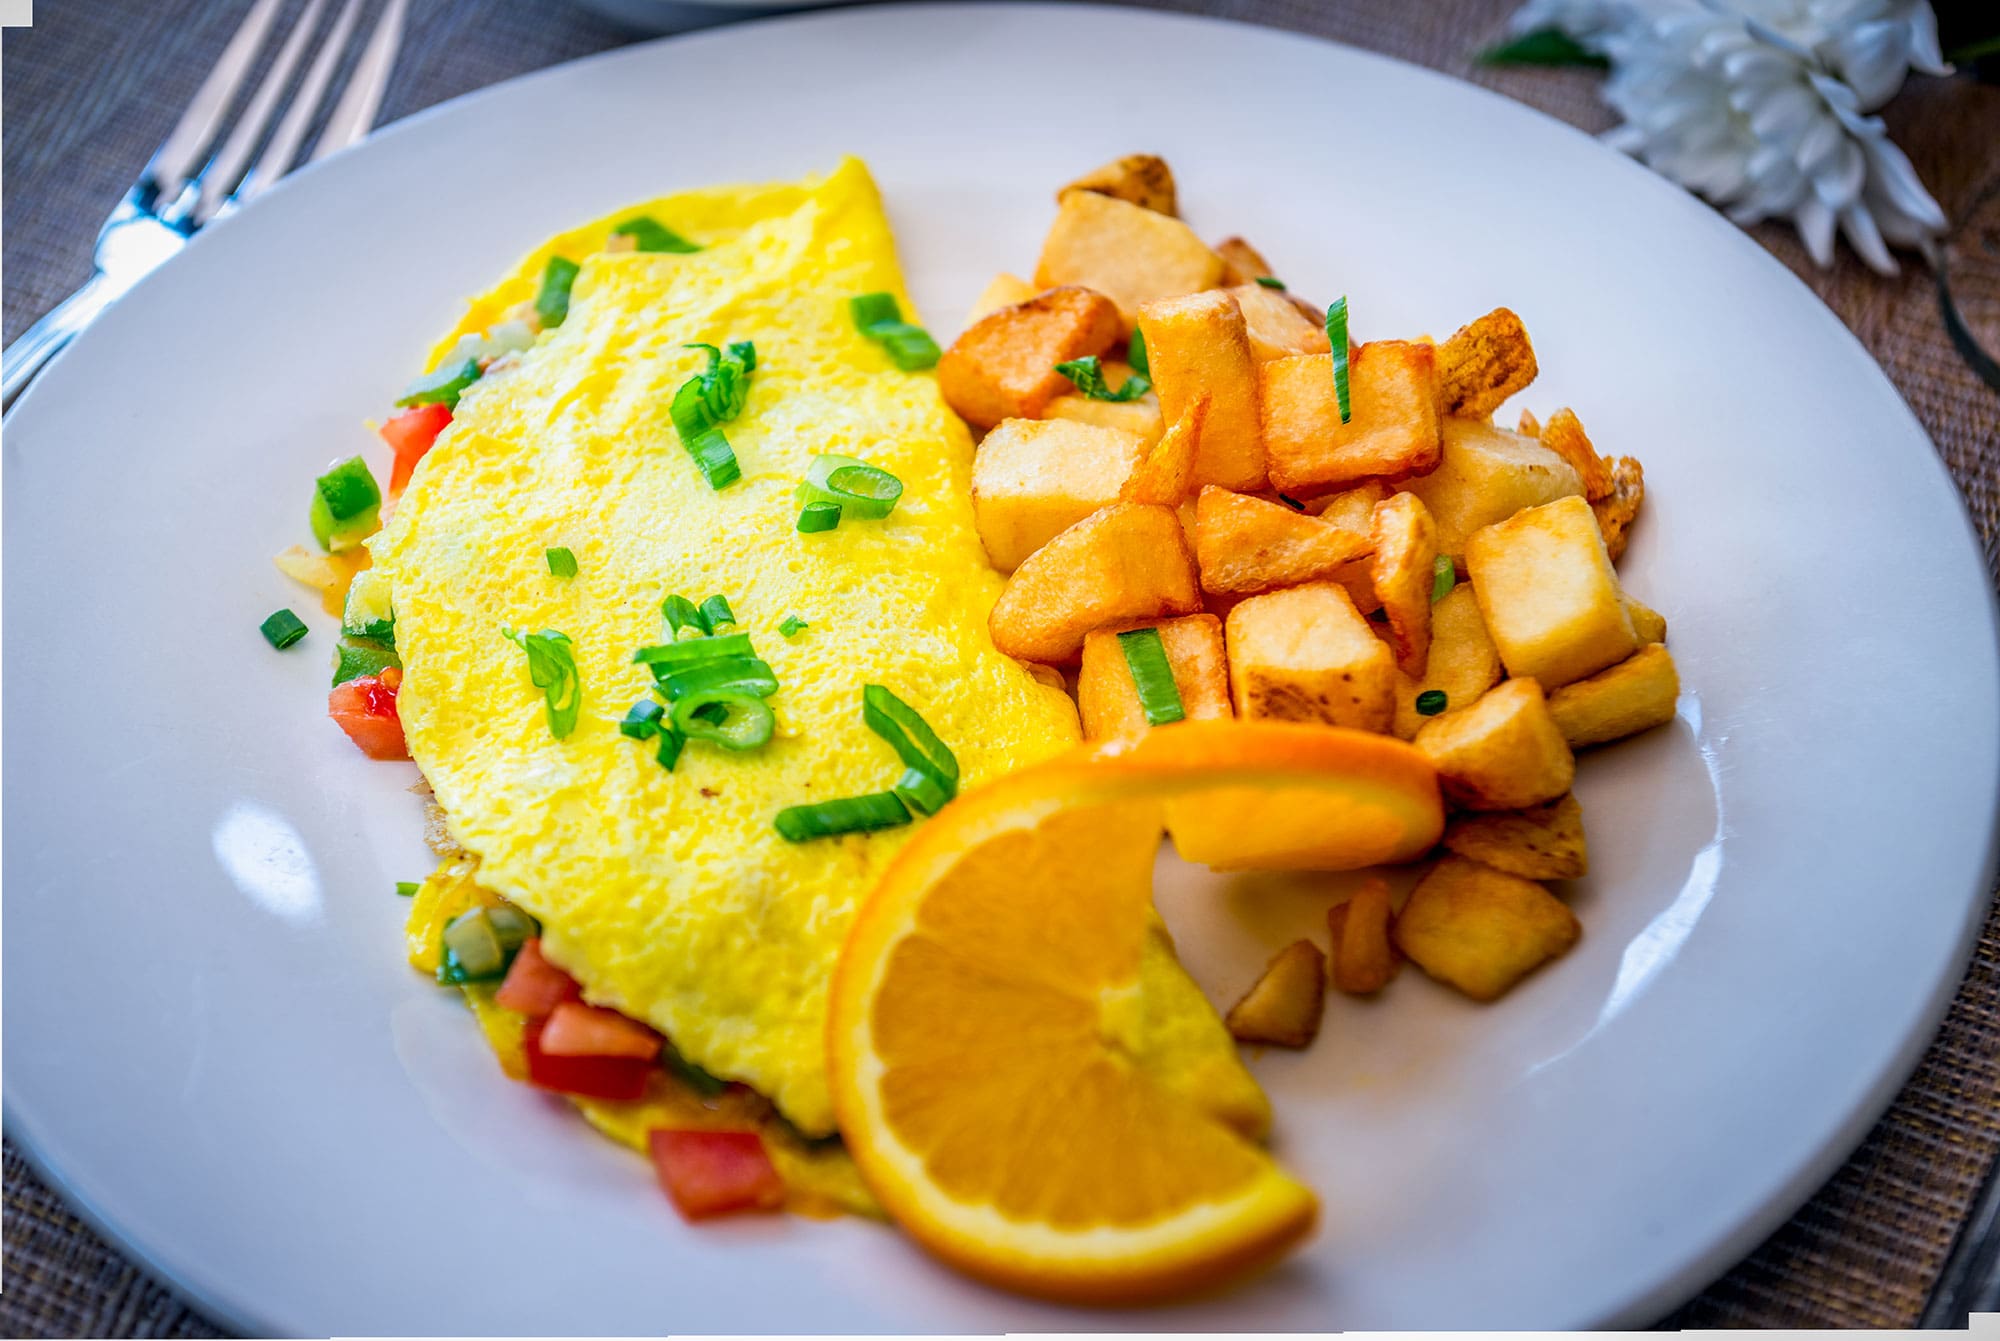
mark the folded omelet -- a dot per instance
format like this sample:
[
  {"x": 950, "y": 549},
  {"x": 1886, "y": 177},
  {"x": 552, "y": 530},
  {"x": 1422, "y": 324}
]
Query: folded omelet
[{"x": 669, "y": 895}]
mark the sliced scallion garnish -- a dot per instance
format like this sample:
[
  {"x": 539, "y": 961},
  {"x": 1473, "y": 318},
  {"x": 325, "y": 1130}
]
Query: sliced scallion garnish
[
  {"x": 282, "y": 628},
  {"x": 791, "y": 626},
  {"x": 1432, "y": 702},
  {"x": 1088, "y": 376},
  {"x": 682, "y": 613},
  {"x": 649, "y": 234},
  {"x": 744, "y": 721},
  {"x": 1336, "y": 335},
  {"x": 921, "y": 792},
  {"x": 1153, "y": 674},
  {"x": 1443, "y": 575},
  {"x": 909, "y": 735},
  {"x": 1135, "y": 352},
  {"x": 859, "y": 489},
  {"x": 848, "y": 814},
  {"x": 408, "y": 888},
  {"x": 715, "y": 612},
  {"x": 552, "y": 668},
  {"x": 642, "y": 720},
  {"x": 1271, "y": 282},
  {"x": 562, "y": 563},
  {"x": 879, "y": 317},
  {"x": 818, "y": 517},
  {"x": 552, "y": 299},
  {"x": 669, "y": 657},
  {"x": 671, "y": 744},
  {"x": 743, "y": 675}
]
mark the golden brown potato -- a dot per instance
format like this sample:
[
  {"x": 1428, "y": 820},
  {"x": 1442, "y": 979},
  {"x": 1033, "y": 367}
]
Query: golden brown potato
[
  {"x": 1141, "y": 416},
  {"x": 1107, "y": 699},
  {"x": 1004, "y": 366},
  {"x": 1354, "y": 510},
  {"x": 1143, "y": 179},
  {"x": 1005, "y": 290},
  {"x": 1549, "y": 595},
  {"x": 1528, "y": 426},
  {"x": 1648, "y": 623},
  {"x": 1196, "y": 346},
  {"x": 1124, "y": 562},
  {"x": 1501, "y": 752},
  {"x": 1543, "y": 842},
  {"x": 1402, "y": 575},
  {"x": 1241, "y": 262},
  {"x": 1486, "y": 474},
  {"x": 1363, "y": 958},
  {"x": 1462, "y": 665},
  {"x": 1035, "y": 478},
  {"x": 1635, "y": 695},
  {"x": 1482, "y": 930},
  {"x": 1244, "y": 544},
  {"x": 1276, "y": 327},
  {"x": 1617, "y": 509},
  {"x": 1285, "y": 1005},
  {"x": 1392, "y": 426},
  {"x": 1483, "y": 363},
  {"x": 1564, "y": 436},
  {"x": 1126, "y": 252},
  {"x": 1166, "y": 475},
  {"x": 1304, "y": 654}
]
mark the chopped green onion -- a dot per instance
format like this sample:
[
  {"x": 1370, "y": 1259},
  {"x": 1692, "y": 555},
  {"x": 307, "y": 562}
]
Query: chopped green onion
[
  {"x": 283, "y": 628},
  {"x": 1135, "y": 353},
  {"x": 552, "y": 299},
  {"x": 649, "y": 234},
  {"x": 715, "y": 612},
  {"x": 921, "y": 792},
  {"x": 642, "y": 720},
  {"x": 477, "y": 946},
  {"x": 562, "y": 563},
  {"x": 708, "y": 400},
  {"x": 682, "y": 613},
  {"x": 1271, "y": 282},
  {"x": 346, "y": 505},
  {"x": 685, "y": 1071},
  {"x": 1336, "y": 335},
  {"x": 910, "y": 735},
  {"x": 791, "y": 626},
  {"x": 408, "y": 888},
  {"x": 859, "y": 489},
  {"x": 353, "y": 660},
  {"x": 745, "y": 721},
  {"x": 872, "y": 309},
  {"x": 442, "y": 387},
  {"x": 672, "y": 743},
  {"x": 1291, "y": 502},
  {"x": 743, "y": 352},
  {"x": 743, "y": 675},
  {"x": 1153, "y": 674},
  {"x": 694, "y": 651},
  {"x": 1443, "y": 575},
  {"x": 715, "y": 458},
  {"x": 849, "y": 814},
  {"x": 552, "y": 667},
  {"x": 1431, "y": 702},
  {"x": 1088, "y": 375},
  {"x": 879, "y": 317},
  {"x": 819, "y": 517}
]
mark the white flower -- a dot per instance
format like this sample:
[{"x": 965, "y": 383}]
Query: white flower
[{"x": 1762, "y": 107}]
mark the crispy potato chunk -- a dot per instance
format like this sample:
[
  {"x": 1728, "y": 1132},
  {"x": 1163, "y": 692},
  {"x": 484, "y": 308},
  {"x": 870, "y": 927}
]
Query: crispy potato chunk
[
  {"x": 1550, "y": 597},
  {"x": 1304, "y": 654},
  {"x": 1276, "y": 326},
  {"x": 1543, "y": 842},
  {"x": 1241, "y": 262},
  {"x": 1354, "y": 510},
  {"x": 1124, "y": 562},
  {"x": 1124, "y": 251},
  {"x": 1107, "y": 699},
  {"x": 1564, "y": 436},
  {"x": 1166, "y": 476},
  {"x": 1636, "y": 694},
  {"x": 1035, "y": 478},
  {"x": 1482, "y": 930},
  {"x": 1285, "y": 1005},
  {"x": 1244, "y": 544},
  {"x": 1141, "y": 416},
  {"x": 1364, "y": 959},
  {"x": 1143, "y": 179},
  {"x": 1005, "y": 290},
  {"x": 1483, "y": 363},
  {"x": 1502, "y": 752},
  {"x": 1392, "y": 426},
  {"x": 1004, "y": 366},
  {"x": 1617, "y": 509},
  {"x": 1463, "y": 663},
  {"x": 1648, "y": 623},
  {"x": 1197, "y": 346},
  {"x": 1401, "y": 573},
  {"x": 1486, "y": 474}
]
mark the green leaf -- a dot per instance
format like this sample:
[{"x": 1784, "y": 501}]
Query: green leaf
[
  {"x": 1544, "y": 46},
  {"x": 1088, "y": 376}
]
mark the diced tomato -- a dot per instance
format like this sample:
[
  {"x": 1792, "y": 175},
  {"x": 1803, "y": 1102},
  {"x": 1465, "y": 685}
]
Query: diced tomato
[
  {"x": 533, "y": 985},
  {"x": 411, "y": 433},
  {"x": 576, "y": 1030},
  {"x": 365, "y": 708},
  {"x": 619, "y": 1078},
  {"x": 716, "y": 1172}
]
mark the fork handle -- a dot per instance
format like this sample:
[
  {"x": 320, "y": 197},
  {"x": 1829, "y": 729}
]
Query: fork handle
[{"x": 43, "y": 340}]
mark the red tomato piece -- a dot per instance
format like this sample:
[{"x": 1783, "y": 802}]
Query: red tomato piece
[
  {"x": 617, "y": 1078},
  {"x": 716, "y": 1172},
  {"x": 576, "y": 1030},
  {"x": 365, "y": 708},
  {"x": 533, "y": 985},
  {"x": 412, "y": 433}
]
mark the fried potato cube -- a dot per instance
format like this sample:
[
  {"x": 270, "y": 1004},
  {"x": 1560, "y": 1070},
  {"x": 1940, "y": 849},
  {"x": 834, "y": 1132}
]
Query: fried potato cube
[
  {"x": 1354, "y": 510},
  {"x": 1034, "y": 478},
  {"x": 1245, "y": 544},
  {"x": 1107, "y": 699},
  {"x": 1005, "y": 290},
  {"x": 1276, "y": 326},
  {"x": 1636, "y": 694},
  {"x": 1143, "y": 179},
  {"x": 1141, "y": 416},
  {"x": 1543, "y": 842},
  {"x": 1123, "y": 562},
  {"x": 1392, "y": 426},
  {"x": 1285, "y": 1005},
  {"x": 1364, "y": 959},
  {"x": 1482, "y": 930},
  {"x": 1401, "y": 571},
  {"x": 1501, "y": 752},
  {"x": 1127, "y": 252},
  {"x": 1486, "y": 474},
  {"x": 1004, "y": 366},
  {"x": 1197, "y": 346},
  {"x": 1617, "y": 509},
  {"x": 1648, "y": 623},
  {"x": 1564, "y": 436},
  {"x": 1463, "y": 663},
  {"x": 1304, "y": 654},
  {"x": 1483, "y": 363},
  {"x": 1166, "y": 475},
  {"x": 1241, "y": 262},
  {"x": 1550, "y": 597}
]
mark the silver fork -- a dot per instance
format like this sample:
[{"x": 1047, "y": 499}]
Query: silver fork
[{"x": 179, "y": 192}]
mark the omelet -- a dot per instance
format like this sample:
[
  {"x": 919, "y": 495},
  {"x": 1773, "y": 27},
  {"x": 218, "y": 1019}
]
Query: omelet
[{"x": 669, "y": 895}]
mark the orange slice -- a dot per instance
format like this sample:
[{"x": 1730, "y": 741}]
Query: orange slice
[{"x": 981, "y": 1036}]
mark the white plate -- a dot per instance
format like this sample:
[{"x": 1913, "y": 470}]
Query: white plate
[{"x": 213, "y": 1043}]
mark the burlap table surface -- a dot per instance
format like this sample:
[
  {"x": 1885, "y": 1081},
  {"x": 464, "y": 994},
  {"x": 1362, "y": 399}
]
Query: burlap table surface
[{"x": 95, "y": 84}]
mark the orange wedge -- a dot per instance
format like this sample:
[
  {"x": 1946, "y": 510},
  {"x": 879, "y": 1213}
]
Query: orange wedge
[{"x": 981, "y": 1037}]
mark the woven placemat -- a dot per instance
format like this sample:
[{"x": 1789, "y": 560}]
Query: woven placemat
[{"x": 91, "y": 89}]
